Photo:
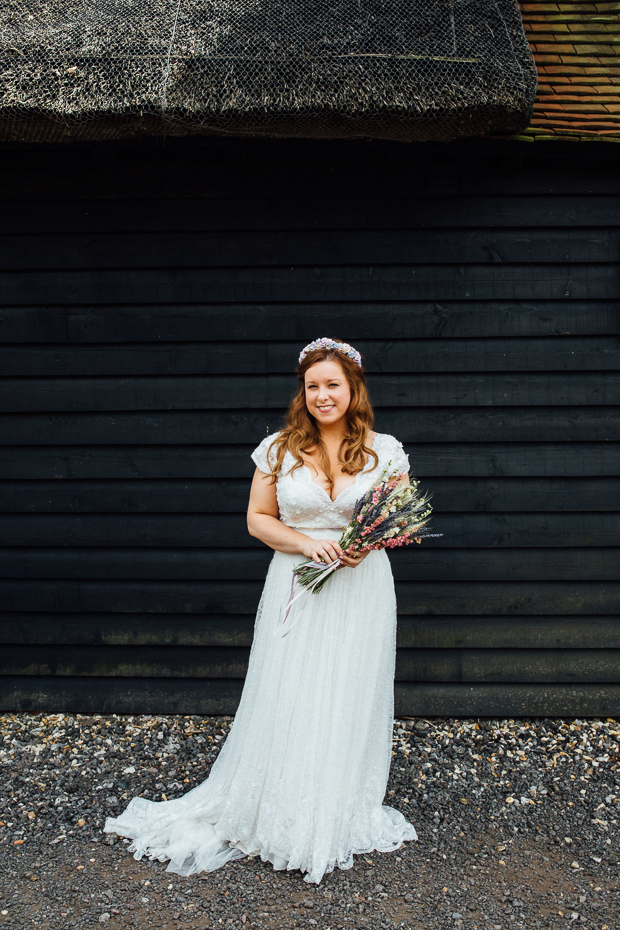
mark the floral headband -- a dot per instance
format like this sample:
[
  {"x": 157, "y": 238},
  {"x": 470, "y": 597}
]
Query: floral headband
[{"x": 325, "y": 343}]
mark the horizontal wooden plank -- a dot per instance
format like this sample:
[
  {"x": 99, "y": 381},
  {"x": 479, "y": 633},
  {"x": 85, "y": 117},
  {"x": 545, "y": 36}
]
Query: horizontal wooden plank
[
  {"x": 361, "y": 320},
  {"x": 501, "y": 159},
  {"x": 186, "y": 214},
  {"x": 540, "y": 495},
  {"x": 136, "y": 629},
  {"x": 522, "y": 598},
  {"x": 123, "y": 596},
  {"x": 33, "y": 324},
  {"x": 436, "y": 424},
  {"x": 200, "y": 696},
  {"x": 139, "y": 696},
  {"x": 498, "y": 281},
  {"x": 543, "y": 354},
  {"x": 467, "y": 665},
  {"x": 183, "y": 532},
  {"x": 427, "y": 699},
  {"x": 140, "y": 176},
  {"x": 208, "y": 495},
  {"x": 308, "y": 247},
  {"x": 532, "y": 176},
  {"x": 141, "y": 496},
  {"x": 543, "y": 564},
  {"x": 119, "y": 695},
  {"x": 508, "y": 632},
  {"x": 126, "y": 661},
  {"x": 488, "y": 665},
  {"x": 248, "y": 392},
  {"x": 419, "y": 598},
  {"x": 428, "y": 461}
]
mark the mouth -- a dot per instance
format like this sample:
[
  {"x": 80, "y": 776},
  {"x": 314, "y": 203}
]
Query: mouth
[{"x": 327, "y": 408}]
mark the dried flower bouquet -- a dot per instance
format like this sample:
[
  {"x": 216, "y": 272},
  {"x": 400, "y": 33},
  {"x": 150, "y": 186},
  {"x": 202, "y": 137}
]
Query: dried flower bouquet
[{"x": 390, "y": 514}]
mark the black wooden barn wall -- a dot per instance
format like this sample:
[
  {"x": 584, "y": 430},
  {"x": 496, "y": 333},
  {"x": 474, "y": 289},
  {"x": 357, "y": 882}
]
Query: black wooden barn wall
[{"x": 154, "y": 298}]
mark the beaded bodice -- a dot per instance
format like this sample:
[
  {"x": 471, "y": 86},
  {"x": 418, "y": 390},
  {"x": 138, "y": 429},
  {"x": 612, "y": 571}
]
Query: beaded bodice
[{"x": 304, "y": 504}]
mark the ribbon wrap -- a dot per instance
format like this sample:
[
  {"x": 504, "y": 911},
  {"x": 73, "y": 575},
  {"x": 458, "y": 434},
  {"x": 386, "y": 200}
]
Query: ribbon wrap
[{"x": 285, "y": 612}]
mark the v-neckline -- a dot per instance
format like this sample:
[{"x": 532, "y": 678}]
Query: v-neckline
[{"x": 348, "y": 487}]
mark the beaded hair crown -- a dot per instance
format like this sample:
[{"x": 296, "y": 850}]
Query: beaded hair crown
[{"x": 325, "y": 343}]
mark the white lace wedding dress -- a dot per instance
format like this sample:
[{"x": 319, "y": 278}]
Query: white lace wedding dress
[{"x": 301, "y": 777}]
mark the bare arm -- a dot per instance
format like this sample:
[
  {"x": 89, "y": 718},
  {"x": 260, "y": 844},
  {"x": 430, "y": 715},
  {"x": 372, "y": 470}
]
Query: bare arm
[{"x": 264, "y": 524}]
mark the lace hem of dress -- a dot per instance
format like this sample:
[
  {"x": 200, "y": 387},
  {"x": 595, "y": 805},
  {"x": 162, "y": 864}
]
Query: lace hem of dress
[{"x": 201, "y": 849}]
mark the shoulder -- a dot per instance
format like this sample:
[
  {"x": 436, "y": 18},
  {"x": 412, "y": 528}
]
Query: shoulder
[
  {"x": 264, "y": 456},
  {"x": 389, "y": 447},
  {"x": 386, "y": 441}
]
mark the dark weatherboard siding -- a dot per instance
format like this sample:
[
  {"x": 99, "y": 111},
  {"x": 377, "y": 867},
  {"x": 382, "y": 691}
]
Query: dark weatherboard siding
[{"x": 153, "y": 300}]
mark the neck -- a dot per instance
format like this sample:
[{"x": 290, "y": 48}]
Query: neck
[{"x": 335, "y": 433}]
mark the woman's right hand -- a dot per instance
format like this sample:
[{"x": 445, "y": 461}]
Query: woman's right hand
[{"x": 322, "y": 550}]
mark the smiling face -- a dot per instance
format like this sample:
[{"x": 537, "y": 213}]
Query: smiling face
[{"x": 328, "y": 394}]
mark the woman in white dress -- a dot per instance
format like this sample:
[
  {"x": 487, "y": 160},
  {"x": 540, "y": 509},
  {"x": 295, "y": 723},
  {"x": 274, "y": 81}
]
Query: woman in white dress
[{"x": 301, "y": 778}]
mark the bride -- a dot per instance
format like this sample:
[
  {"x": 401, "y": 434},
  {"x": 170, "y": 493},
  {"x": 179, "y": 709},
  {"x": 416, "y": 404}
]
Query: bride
[{"x": 301, "y": 777}]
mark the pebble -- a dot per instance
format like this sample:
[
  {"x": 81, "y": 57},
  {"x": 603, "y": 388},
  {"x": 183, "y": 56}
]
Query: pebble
[{"x": 517, "y": 822}]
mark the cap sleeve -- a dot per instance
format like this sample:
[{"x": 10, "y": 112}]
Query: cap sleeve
[
  {"x": 400, "y": 459},
  {"x": 260, "y": 455}
]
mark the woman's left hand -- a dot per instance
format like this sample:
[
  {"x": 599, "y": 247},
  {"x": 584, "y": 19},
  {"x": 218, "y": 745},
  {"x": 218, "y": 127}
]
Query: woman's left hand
[{"x": 353, "y": 560}]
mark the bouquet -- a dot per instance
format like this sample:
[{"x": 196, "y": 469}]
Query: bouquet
[{"x": 390, "y": 514}]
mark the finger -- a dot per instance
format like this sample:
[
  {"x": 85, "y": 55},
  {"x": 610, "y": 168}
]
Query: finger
[{"x": 327, "y": 552}]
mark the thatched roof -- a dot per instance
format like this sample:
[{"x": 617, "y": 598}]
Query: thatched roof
[{"x": 392, "y": 69}]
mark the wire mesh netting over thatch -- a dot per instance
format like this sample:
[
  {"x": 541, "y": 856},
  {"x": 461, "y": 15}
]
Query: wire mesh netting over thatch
[{"x": 392, "y": 69}]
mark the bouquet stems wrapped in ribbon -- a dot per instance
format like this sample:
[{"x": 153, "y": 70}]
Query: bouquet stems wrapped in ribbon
[{"x": 390, "y": 514}]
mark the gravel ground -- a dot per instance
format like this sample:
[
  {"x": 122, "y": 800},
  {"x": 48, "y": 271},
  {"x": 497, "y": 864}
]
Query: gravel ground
[{"x": 517, "y": 823}]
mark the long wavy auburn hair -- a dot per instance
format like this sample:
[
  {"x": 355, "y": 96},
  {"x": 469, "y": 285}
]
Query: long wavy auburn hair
[{"x": 302, "y": 435}]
